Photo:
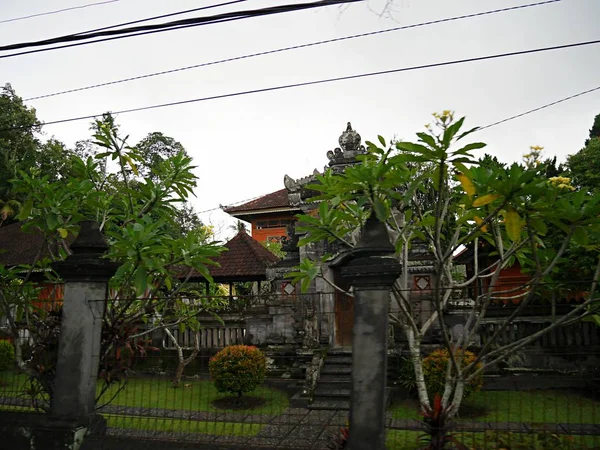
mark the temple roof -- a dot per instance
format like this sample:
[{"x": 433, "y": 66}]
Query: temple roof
[
  {"x": 18, "y": 247},
  {"x": 246, "y": 259},
  {"x": 277, "y": 201}
]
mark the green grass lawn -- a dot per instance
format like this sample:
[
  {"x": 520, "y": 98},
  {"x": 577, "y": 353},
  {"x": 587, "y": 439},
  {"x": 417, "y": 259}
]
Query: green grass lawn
[
  {"x": 196, "y": 395},
  {"x": 11, "y": 383},
  {"x": 183, "y": 426},
  {"x": 518, "y": 406},
  {"x": 409, "y": 440}
]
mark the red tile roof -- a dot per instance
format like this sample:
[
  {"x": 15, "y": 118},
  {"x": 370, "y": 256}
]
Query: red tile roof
[
  {"x": 19, "y": 247},
  {"x": 246, "y": 259},
  {"x": 277, "y": 199}
]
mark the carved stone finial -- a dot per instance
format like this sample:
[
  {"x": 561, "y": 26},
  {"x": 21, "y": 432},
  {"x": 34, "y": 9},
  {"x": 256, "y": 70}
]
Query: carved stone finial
[
  {"x": 348, "y": 150},
  {"x": 350, "y": 139}
]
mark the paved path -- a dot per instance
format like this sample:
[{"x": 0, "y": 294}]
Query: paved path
[
  {"x": 298, "y": 428},
  {"x": 305, "y": 429}
]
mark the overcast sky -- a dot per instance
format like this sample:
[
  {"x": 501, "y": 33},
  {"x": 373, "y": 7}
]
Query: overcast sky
[{"x": 244, "y": 145}]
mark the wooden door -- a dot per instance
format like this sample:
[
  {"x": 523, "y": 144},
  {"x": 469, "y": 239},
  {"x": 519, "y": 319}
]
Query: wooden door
[{"x": 344, "y": 314}]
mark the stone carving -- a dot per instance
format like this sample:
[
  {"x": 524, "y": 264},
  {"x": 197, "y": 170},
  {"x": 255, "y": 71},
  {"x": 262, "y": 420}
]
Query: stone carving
[
  {"x": 297, "y": 191},
  {"x": 348, "y": 150},
  {"x": 311, "y": 327},
  {"x": 313, "y": 371},
  {"x": 290, "y": 184},
  {"x": 289, "y": 243}
]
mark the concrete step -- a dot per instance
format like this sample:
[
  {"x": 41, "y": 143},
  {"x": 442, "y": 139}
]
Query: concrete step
[
  {"x": 335, "y": 384},
  {"x": 335, "y": 378},
  {"x": 330, "y": 405},
  {"x": 339, "y": 352},
  {"x": 336, "y": 370},
  {"x": 331, "y": 392},
  {"x": 338, "y": 359}
]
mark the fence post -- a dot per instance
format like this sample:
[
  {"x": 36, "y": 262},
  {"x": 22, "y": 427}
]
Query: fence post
[
  {"x": 371, "y": 271},
  {"x": 86, "y": 276}
]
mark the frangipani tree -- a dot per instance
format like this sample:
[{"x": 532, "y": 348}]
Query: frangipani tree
[
  {"x": 138, "y": 216},
  {"x": 435, "y": 191}
]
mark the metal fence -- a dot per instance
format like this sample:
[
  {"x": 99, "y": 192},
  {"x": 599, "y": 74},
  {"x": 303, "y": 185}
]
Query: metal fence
[{"x": 546, "y": 395}]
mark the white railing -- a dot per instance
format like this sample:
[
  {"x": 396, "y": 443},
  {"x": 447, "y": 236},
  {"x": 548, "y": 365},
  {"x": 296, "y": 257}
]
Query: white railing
[{"x": 210, "y": 338}]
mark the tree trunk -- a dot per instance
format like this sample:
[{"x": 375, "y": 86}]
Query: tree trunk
[
  {"x": 414, "y": 345},
  {"x": 459, "y": 391},
  {"x": 181, "y": 361}
]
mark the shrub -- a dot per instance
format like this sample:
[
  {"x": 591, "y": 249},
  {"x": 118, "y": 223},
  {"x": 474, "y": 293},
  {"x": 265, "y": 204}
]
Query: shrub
[
  {"x": 406, "y": 377},
  {"x": 237, "y": 369},
  {"x": 7, "y": 355},
  {"x": 438, "y": 426},
  {"x": 434, "y": 371}
]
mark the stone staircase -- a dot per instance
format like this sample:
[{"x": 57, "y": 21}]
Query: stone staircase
[{"x": 333, "y": 388}]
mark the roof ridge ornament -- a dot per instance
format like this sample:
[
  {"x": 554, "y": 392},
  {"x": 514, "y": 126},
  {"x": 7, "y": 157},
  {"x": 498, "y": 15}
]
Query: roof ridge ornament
[{"x": 350, "y": 147}]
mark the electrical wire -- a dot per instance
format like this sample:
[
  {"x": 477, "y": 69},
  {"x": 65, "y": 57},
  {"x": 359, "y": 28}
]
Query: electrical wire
[
  {"x": 148, "y": 19},
  {"x": 57, "y": 11},
  {"x": 323, "y": 81},
  {"x": 78, "y": 44},
  {"x": 295, "y": 47},
  {"x": 182, "y": 22},
  {"x": 230, "y": 204},
  {"x": 547, "y": 105}
]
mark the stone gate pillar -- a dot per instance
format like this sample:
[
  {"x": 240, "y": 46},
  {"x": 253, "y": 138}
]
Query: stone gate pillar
[
  {"x": 86, "y": 276},
  {"x": 371, "y": 270}
]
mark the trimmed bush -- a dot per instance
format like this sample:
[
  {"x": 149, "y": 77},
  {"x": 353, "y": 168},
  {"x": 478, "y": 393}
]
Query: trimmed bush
[
  {"x": 237, "y": 369},
  {"x": 7, "y": 355},
  {"x": 434, "y": 370}
]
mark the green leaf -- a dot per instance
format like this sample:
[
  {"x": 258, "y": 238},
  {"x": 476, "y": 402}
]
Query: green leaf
[
  {"x": 141, "y": 280},
  {"x": 580, "y": 236},
  {"x": 26, "y": 210},
  {"x": 467, "y": 148},
  {"x": 428, "y": 139},
  {"x": 538, "y": 225},
  {"x": 466, "y": 133},
  {"x": 451, "y": 131},
  {"x": 484, "y": 200},
  {"x": 381, "y": 210},
  {"x": 381, "y": 140},
  {"x": 513, "y": 224},
  {"x": 467, "y": 184},
  {"x": 63, "y": 233},
  {"x": 51, "y": 221}
]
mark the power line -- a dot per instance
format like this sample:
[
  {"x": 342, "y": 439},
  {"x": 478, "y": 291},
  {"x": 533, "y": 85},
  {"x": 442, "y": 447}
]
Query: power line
[
  {"x": 182, "y": 22},
  {"x": 57, "y": 11},
  {"x": 178, "y": 13},
  {"x": 28, "y": 52},
  {"x": 230, "y": 204},
  {"x": 323, "y": 81},
  {"x": 295, "y": 47},
  {"x": 540, "y": 108}
]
